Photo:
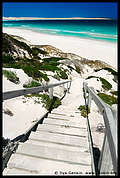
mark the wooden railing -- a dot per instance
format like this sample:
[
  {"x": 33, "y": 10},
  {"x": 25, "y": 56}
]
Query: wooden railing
[
  {"x": 17, "y": 93},
  {"x": 13, "y": 144},
  {"x": 108, "y": 157}
]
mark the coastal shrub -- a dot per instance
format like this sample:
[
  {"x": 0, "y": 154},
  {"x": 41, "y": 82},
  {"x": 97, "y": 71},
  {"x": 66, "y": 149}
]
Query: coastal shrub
[
  {"x": 108, "y": 69},
  {"x": 114, "y": 92},
  {"x": 55, "y": 59},
  {"x": 62, "y": 74},
  {"x": 36, "y": 51},
  {"x": 11, "y": 76},
  {"x": 56, "y": 77},
  {"x": 78, "y": 69},
  {"x": 7, "y": 59},
  {"x": 21, "y": 44},
  {"x": 113, "y": 72},
  {"x": 83, "y": 110},
  {"x": 48, "y": 67},
  {"x": 105, "y": 84},
  {"x": 32, "y": 84},
  {"x": 89, "y": 77},
  {"x": 108, "y": 98},
  {"x": 47, "y": 101}
]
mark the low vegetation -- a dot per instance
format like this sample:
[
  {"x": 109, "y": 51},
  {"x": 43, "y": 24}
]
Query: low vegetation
[
  {"x": 83, "y": 110},
  {"x": 114, "y": 93},
  {"x": 105, "y": 84},
  {"x": 46, "y": 101},
  {"x": 108, "y": 98},
  {"x": 11, "y": 76},
  {"x": 113, "y": 72},
  {"x": 32, "y": 84}
]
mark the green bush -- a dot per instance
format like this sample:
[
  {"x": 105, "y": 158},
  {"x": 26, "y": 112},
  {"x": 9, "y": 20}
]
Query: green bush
[
  {"x": 113, "y": 72},
  {"x": 83, "y": 111},
  {"x": 11, "y": 76},
  {"x": 36, "y": 51},
  {"x": 47, "y": 101},
  {"x": 32, "y": 84},
  {"x": 62, "y": 74},
  {"x": 89, "y": 77},
  {"x": 105, "y": 84},
  {"x": 108, "y": 69},
  {"x": 114, "y": 92},
  {"x": 108, "y": 98},
  {"x": 54, "y": 59},
  {"x": 7, "y": 59}
]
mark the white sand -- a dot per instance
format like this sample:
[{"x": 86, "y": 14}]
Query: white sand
[
  {"x": 90, "y": 49},
  {"x": 25, "y": 113}
]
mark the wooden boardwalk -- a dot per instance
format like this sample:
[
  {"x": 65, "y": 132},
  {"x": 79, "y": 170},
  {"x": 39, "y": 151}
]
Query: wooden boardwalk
[{"x": 59, "y": 146}]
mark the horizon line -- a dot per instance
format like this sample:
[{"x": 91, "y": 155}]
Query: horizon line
[{"x": 55, "y": 18}]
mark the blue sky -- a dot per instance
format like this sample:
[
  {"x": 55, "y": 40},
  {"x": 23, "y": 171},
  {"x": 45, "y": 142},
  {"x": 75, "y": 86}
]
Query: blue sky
[{"x": 60, "y": 9}]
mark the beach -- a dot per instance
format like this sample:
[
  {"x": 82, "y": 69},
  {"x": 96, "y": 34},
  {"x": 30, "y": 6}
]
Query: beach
[
  {"x": 26, "y": 112},
  {"x": 86, "y": 48}
]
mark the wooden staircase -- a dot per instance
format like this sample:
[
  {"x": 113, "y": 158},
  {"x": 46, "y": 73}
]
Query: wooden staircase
[{"x": 59, "y": 146}]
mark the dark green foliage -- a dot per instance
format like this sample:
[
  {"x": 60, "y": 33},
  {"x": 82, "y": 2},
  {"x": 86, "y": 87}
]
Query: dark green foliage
[
  {"x": 31, "y": 66},
  {"x": 36, "y": 51},
  {"x": 83, "y": 110},
  {"x": 78, "y": 69},
  {"x": 48, "y": 67},
  {"x": 55, "y": 59},
  {"x": 46, "y": 100},
  {"x": 8, "y": 43},
  {"x": 7, "y": 59},
  {"x": 113, "y": 72},
  {"x": 62, "y": 74},
  {"x": 11, "y": 76},
  {"x": 32, "y": 84},
  {"x": 108, "y": 98},
  {"x": 108, "y": 69},
  {"x": 89, "y": 77},
  {"x": 114, "y": 93},
  {"x": 105, "y": 84}
]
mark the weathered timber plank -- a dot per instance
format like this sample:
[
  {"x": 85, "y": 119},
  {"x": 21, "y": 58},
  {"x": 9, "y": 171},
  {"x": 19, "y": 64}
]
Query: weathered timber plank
[
  {"x": 20, "y": 164},
  {"x": 73, "y": 157}
]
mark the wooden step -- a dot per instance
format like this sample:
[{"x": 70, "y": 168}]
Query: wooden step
[
  {"x": 68, "y": 123},
  {"x": 23, "y": 164},
  {"x": 59, "y": 138},
  {"x": 63, "y": 129},
  {"x": 72, "y": 157},
  {"x": 59, "y": 141}
]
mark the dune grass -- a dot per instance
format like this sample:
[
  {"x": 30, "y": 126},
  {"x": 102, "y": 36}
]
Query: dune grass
[{"x": 11, "y": 76}]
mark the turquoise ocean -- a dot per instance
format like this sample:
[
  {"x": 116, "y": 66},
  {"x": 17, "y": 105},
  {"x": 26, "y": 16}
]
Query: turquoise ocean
[{"x": 91, "y": 29}]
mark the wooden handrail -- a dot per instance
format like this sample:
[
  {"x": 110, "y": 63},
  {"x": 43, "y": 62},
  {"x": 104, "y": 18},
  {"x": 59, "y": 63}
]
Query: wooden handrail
[
  {"x": 17, "y": 93},
  {"x": 110, "y": 138}
]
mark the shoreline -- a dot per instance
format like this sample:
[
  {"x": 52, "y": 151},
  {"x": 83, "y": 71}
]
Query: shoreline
[
  {"x": 54, "y": 18},
  {"x": 87, "y": 48}
]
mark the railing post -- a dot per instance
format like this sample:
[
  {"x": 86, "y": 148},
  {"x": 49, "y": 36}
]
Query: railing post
[{"x": 50, "y": 93}]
